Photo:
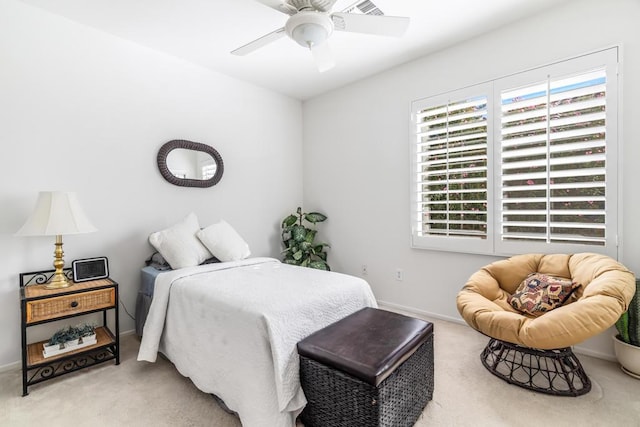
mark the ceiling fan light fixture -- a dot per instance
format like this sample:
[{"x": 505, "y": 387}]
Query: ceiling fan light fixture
[
  {"x": 308, "y": 28},
  {"x": 309, "y": 35}
]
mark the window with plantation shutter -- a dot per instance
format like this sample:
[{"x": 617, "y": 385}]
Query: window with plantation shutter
[
  {"x": 553, "y": 160},
  {"x": 451, "y": 174},
  {"x": 539, "y": 175}
]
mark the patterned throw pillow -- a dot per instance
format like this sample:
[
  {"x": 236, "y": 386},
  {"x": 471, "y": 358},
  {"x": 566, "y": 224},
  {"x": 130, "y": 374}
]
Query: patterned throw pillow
[{"x": 540, "y": 293}]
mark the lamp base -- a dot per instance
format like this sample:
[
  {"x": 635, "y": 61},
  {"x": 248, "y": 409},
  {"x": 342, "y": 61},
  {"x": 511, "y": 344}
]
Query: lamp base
[{"x": 58, "y": 280}]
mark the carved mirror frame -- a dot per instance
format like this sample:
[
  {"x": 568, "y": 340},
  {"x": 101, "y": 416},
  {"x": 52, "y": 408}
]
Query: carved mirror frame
[{"x": 167, "y": 148}]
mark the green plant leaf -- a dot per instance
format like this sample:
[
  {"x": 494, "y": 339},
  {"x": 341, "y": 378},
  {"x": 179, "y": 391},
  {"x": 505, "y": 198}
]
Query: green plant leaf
[
  {"x": 305, "y": 263},
  {"x": 314, "y": 217},
  {"x": 299, "y": 233},
  {"x": 290, "y": 261},
  {"x": 622, "y": 325},
  {"x": 311, "y": 234},
  {"x": 289, "y": 221},
  {"x": 634, "y": 318},
  {"x": 297, "y": 256},
  {"x": 628, "y": 325},
  {"x": 305, "y": 246},
  {"x": 319, "y": 265},
  {"x": 287, "y": 249}
]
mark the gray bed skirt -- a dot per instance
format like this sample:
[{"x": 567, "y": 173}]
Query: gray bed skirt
[
  {"x": 145, "y": 295},
  {"x": 143, "y": 302}
]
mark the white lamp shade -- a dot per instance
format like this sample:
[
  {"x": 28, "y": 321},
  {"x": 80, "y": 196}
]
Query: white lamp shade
[{"x": 56, "y": 213}]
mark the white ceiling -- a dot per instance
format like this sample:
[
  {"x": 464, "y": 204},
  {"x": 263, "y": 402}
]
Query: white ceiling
[{"x": 205, "y": 31}]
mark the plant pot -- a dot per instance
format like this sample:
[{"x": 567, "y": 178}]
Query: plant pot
[
  {"x": 629, "y": 357},
  {"x": 56, "y": 349}
]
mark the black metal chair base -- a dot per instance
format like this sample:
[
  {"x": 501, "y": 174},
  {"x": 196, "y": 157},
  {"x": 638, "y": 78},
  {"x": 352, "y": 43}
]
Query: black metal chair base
[{"x": 557, "y": 372}]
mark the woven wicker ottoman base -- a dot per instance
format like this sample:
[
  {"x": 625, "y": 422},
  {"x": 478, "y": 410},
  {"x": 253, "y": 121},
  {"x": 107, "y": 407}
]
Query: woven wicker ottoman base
[{"x": 372, "y": 368}]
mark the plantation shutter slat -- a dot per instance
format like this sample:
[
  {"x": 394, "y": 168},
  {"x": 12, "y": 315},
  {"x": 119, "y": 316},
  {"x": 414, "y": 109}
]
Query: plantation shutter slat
[
  {"x": 470, "y": 159},
  {"x": 553, "y": 161}
]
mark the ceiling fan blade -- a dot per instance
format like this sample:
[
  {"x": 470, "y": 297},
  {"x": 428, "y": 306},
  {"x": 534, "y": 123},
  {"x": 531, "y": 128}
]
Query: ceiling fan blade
[
  {"x": 323, "y": 56},
  {"x": 258, "y": 43},
  {"x": 370, "y": 24},
  {"x": 280, "y": 6}
]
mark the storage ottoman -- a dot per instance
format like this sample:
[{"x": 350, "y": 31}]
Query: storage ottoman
[{"x": 372, "y": 368}]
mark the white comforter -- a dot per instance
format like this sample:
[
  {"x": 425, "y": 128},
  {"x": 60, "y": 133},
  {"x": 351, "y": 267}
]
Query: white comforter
[{"x": 233, "y": 327}]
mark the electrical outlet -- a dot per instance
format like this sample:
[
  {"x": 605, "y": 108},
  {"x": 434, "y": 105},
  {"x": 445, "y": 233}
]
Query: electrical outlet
[
  {"x": 399, "y": 275},
  {"x": 364, "y": 269}
]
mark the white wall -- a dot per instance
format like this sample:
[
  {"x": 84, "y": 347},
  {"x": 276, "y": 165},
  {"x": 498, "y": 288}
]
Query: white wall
[
  {"x": 84, "y": 111},
  {"x": 357, "y": 150}
]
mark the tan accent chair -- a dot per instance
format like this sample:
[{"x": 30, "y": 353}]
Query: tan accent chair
[{"x": 607, "y": 288}]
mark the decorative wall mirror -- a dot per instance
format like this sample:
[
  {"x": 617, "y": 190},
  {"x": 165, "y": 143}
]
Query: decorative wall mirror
[{"x": 190, "y": 164}]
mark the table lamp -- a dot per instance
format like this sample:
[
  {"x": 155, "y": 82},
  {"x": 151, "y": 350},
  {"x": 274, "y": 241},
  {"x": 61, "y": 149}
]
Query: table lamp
[{"x": 57, "y": 213}]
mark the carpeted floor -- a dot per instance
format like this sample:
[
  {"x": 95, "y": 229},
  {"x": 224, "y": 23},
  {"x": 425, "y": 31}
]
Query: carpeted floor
[{"x": 143, "y": 394}]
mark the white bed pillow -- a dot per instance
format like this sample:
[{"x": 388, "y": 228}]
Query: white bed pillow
[
  {"x": 224, "y": 242},
  {"x": 179, "y": 245}
]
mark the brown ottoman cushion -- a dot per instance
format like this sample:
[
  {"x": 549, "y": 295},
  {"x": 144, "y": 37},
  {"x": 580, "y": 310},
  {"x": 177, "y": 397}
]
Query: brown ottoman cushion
[{"x": 368, "y": 344}]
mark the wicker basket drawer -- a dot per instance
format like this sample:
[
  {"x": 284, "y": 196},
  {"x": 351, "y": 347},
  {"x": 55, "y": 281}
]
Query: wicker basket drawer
[{"x": 52, "y": 308}]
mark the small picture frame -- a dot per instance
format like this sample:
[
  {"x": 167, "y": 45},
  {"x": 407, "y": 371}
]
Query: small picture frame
[{"x": 90, "y": 269}]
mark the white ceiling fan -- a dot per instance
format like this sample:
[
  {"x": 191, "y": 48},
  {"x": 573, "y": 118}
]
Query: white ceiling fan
[{"x": 311, "y": 22}]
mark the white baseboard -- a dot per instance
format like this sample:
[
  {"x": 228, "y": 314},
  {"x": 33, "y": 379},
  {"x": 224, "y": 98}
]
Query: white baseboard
[
  {"x": 10, "y": 367},
  {"x": 415, "y": 311},
  {"x": 18, "y": 365},
  {"x": 596, "y": 354}
]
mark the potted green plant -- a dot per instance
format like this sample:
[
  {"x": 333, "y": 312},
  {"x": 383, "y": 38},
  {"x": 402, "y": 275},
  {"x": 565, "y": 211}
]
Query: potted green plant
[
  {"x": 299, "y": 240},
  {"x": 70, "y": 338},
  {"x": 627, "y": 342}
]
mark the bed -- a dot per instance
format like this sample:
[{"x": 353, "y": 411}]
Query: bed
[{"x": 232, "y": 328}]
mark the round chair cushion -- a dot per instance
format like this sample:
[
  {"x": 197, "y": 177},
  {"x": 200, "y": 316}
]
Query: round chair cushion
[{"x": 606, "y": 289}]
